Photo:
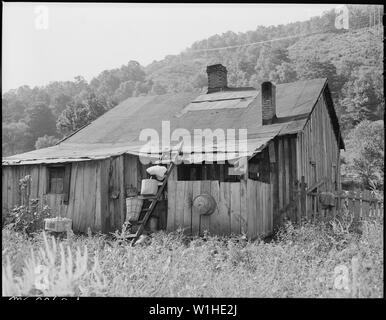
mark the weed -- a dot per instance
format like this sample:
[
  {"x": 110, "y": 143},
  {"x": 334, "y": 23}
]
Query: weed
[{"x": 299, "y": 262}]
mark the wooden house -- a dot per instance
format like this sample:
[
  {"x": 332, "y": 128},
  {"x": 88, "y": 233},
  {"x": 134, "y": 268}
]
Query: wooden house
[{"x": 292, "y": 132}]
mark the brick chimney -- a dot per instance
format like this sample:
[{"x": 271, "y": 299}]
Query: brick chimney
[
  {"x": 217, "y": 77},
  {"x": 268, "y": 102}
]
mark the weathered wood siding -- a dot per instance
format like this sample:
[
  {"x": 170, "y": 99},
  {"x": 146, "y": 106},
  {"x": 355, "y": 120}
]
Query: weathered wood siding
[
  {"x": 97, "y": 193},
  {"x": 312, "y": 153},
  {"x": 283, "y": 175},
  {"x": 84, "y": 206},
  {"x": 11, "y": 176},
  {"x": 319, "y": 153},
  {"x": 244, "y": 206},
  {"x": 84, "y": 199},
  {"x": 118, "y": 174}
]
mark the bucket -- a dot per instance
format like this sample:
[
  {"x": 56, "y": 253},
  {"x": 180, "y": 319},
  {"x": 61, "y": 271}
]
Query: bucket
[
  {"x": 149, "y": 187},
  {"x": 57, "y": 224},
  {"x": 133, "y": 208},
  {"x": 153, "y": 224}
]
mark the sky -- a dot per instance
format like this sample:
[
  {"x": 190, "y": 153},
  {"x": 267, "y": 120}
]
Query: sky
[{"x": 45, "y": 42}]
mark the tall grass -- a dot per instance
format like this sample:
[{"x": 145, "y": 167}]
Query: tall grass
[{"x": 300, "y": 262}]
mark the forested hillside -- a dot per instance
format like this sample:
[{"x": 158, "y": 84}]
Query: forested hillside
[{"x": 352, "y": 60}]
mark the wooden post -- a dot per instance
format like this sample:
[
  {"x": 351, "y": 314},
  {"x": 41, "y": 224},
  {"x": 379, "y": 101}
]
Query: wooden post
[
  {"x": 122, "y": 191},
  {"x": 297, "y": 201},
  {"x": 357, "y": 205},
  {"x": 338, "y": 202},
  {"x": 333, "y": 210},
  {"x": 273, "y": 159},
  {"x": 303, "y": 197},
  {"x": 378, "y": 208},
  {"x": 351, "y": 202},
  {"x": 171, "y": 200},
  {"x": 244, "y": 201},
  {"x": 366, "y": 204},
  {"x": 345, "y": 199}
]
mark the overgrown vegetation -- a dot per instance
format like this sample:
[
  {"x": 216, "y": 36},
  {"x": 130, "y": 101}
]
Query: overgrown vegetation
[
  {"x": 363, "y": 159},
  {"x": 302, "y": 261},
  {"x": 27, "y": 217}
]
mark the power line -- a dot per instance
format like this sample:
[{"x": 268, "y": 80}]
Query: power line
[
  {"x": 248, "y": 44},
  {"x": 206, "y": 50}
]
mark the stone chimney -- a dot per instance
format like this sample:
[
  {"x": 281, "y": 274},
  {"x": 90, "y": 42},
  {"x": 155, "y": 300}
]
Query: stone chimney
[
  {"x": 217, "y": 78},
  {"x": 268, "y": 102}
]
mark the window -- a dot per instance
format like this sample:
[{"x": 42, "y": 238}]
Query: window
[
  {"x": 56, "y": 178},
  {"x": 59, "y": 180},
  {"x": 259, "y": 167},
  {"x": 212, "y": 171}
]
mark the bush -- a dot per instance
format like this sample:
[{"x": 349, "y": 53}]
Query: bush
[
  {"x": 27, "y": 219},
  {"x": 46, "y": 141}
]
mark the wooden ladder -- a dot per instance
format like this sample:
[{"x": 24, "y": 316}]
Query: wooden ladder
[{"x": 154, "y": 200}]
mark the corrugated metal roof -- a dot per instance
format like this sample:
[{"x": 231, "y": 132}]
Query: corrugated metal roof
[
  {"x": 118, "y": 130},
  {"x": 65, "y": 152}
]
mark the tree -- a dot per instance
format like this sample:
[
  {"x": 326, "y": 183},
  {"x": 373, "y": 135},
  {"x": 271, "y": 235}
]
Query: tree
[
  {"x": 158, "y": 88},
  {"x": 13, "y": 109},
  {"x": 45, "y": 141},
  {"x": 125, "y": 90},
  {"x": 75, "y": 116},
  {"x": 14, "y": 136},
  {"x": 142, "y": 88},
  {"x": 364, "y": 155},
  {"x": 274, "y": 64},
  {"x": 60, "y": 102},
  {"x": 132, "y": 71},
  {"x": 312, "y": 67},
  {"x": 41, "y": 121},
  {"x": 81, "y": 113},
  {"x": 264, "y": 64},
  {"x": 285, "y": 73},
  {"x": 96, "y": 106},
  {"x": 200, "y": 81},
  {"x": 80, "y": 83},
  {"x": 363, "y": 96}
]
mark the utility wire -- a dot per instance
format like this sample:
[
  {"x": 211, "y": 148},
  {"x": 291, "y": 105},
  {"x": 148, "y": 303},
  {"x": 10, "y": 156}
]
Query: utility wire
[
  {"x": 246, "y": 45},
  {"x": 277, "y": 39}
]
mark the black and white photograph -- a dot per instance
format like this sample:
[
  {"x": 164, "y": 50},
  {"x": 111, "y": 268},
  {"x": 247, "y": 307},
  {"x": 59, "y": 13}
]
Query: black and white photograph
[{"x": 182, "y": 150}]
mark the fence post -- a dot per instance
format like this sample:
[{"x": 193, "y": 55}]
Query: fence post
[
  {"x": 373, "y": 210},
  {"x": 333, "y": 209},
  {"x": 351, "y": 202},
  {"x": 357, "y": 205},
  {"x": 366, "y": 204},
  {"x": 340, "y": 199}
]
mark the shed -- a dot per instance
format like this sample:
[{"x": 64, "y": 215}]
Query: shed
[{"x": 255, "y": 145}]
